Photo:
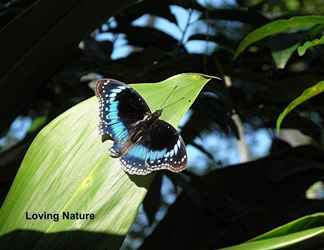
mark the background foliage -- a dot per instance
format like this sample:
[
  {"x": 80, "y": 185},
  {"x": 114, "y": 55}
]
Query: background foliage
[{"x": 48, "y": 66}]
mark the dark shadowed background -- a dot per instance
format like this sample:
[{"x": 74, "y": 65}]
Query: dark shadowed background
[{"x": 242, "y": 178}]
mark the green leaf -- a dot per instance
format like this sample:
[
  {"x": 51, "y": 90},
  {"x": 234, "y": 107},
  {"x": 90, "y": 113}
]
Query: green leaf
[
  {"x": 302, "y": 232},
  {"x": 281, "y": 57},
  {"x": 67, "y": 168},
  {"x": 307, "y": 94},
  {"x": 276, "y": 27},
  {"x": 309, "y": 44}
]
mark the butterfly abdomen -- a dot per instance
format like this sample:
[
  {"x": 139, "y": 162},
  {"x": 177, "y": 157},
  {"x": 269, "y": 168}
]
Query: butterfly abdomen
[{"x": 136, "y": 134}]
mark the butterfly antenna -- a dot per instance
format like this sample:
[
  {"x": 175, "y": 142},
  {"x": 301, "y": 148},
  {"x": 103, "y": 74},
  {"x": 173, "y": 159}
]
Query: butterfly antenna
[
  {"x": 168, "y": 96},
  {"x": 175, "y": 102}
]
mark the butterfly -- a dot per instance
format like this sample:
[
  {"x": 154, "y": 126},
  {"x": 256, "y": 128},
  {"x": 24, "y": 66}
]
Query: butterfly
[{"x": 142, "y": 141}]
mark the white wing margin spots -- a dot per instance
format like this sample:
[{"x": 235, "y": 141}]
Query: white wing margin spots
[{"x": 134, "y": 162}]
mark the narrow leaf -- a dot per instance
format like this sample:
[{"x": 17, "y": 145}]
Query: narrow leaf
[
  {"x": 276, "y": 27},
  {"x": 67, "y": 169},
  {"x": 301, "y": 231},
  {"x": 309, "y": 44},
  {"x": 307, "y": 94}
]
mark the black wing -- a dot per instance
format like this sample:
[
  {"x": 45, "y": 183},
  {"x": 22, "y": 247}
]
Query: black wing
[
  {"x": 160, "y": 148},
  {"x": 120, "y": 106}
]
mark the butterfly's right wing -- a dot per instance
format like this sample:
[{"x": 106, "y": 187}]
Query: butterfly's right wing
[
  {"x": 161, "y": 147},
  {"x": 120, "y": 107}
]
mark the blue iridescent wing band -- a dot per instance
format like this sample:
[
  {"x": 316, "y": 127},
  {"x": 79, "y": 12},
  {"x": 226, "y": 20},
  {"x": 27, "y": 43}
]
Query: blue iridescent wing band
[
  {"x": 119, "y": 108},
  {"x": 160, "y": 148}
]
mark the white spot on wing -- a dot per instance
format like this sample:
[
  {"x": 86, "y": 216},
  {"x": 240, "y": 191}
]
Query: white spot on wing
[
  {"x": 175, "y": 149},
  {"x": 116, "y": 90}
]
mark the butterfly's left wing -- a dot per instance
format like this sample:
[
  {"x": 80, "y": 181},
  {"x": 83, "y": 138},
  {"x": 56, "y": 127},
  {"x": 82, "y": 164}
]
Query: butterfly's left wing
[
  {"x": 120, "y": 107},
  {"x": 160, "y": 148}
]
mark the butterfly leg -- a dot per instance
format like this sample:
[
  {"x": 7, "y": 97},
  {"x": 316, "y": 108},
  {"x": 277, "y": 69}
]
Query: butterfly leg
[
  {"x": 106, "y": 137},
  {"x": 114, "y": 152},
  {"x": 120, "y": 148}
]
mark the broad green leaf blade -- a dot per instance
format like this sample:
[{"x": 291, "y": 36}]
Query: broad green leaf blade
[
  {"x": 301, "y": 232},
  {"x": 309, "y": 44},
  {"x": 67, "y": 168},
  {"x": 276, "y": 27},
  {"x": 281, "y": 57},
  {"x": 307, "y": 94}
]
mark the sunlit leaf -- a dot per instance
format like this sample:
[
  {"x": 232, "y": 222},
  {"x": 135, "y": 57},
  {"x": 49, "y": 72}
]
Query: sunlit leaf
[
  {"x": 276, "y": 27},
  {"x": 299, "y": 232},
  {"x": 307, "y": 94},
  {"x": 67, "y": 168}
]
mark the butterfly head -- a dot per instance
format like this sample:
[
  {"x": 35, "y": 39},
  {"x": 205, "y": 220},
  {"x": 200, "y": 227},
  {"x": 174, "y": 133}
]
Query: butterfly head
[
  {"x": 152, "y": 117},
  {"x": 157, "y": 113}
]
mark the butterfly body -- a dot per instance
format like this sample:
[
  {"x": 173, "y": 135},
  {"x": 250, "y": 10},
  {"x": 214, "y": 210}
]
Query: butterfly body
[
  {"x": 137, "y": 132},
  {"x": 142, "y": 141}
]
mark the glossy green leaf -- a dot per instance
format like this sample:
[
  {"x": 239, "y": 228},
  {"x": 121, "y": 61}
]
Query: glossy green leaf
[
  {"x": 309, "y": 44},
  {"x": 307, "y": 94},
  {"x": 301, "y": 232},
  {"x": 281, "y": 57},
  {"x": 276, "y": 27},
  {"x": 67, "y": 168}
]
